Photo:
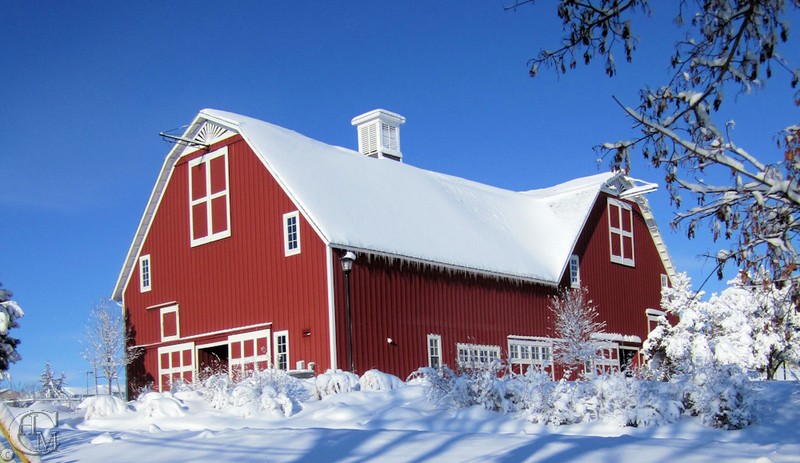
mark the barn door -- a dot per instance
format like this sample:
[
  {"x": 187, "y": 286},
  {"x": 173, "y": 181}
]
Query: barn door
[
  {"x": 248, "y": 352},
  {"x": 175, "y": 362}
]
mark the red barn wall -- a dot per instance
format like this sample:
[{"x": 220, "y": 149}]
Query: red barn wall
[
  {"x": 392, "y": 298},
  {"x": 241, "y": 280},
  {"x": 621, "y": 293},
  {"x": 406, "y": 302}
]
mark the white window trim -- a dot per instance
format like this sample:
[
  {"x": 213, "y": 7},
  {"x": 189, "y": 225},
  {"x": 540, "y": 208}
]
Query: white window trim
[
  {"x": 275, "y": 337},
  {"x": 438, "y": 339},
  {"x": 621, "y": 233},
  {"x": 474, "y": 354},
  {"x": 538, "y": 343},
  {"x": 653, "y": 316},
  {"x": 664, "y": 281},
  {"x": 180, "y": 368},
  {"x": 296, "y": 215},
  {"x": 574, "y": 276},
  {"x": 239, "y": 364},
  {"x": 145, "y": 284},
  {"x": 167, "y": 310},
  {"x": 207, "y": 158}
]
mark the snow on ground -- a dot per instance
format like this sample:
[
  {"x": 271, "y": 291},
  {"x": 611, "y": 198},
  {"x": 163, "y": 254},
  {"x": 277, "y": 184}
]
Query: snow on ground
[{"x": 401, "y": 425}]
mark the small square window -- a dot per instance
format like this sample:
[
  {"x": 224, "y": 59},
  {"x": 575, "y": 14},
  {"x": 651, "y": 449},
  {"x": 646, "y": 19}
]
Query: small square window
[
  {"x": 145, "y": 278},
  {"x": 291, "y": 236}
]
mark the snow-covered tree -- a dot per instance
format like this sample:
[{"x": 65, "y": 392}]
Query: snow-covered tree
[
  {"x": 51, "y": 387},
  {"x": 707, "y": 352},
  {"x": 574, "y": 322},
  {"x": 106, "y": 344},
  {"x": 9, "y": 313},
  {"x": 722, "y": 48},
  {"x": 773, "y": 321}
]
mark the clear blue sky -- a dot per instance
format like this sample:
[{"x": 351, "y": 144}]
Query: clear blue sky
[{"x": 85, "y": 88}]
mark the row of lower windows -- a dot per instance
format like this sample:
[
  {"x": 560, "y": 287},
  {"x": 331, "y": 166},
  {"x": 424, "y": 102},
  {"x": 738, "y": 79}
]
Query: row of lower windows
[{"x": 536, "y": 352}]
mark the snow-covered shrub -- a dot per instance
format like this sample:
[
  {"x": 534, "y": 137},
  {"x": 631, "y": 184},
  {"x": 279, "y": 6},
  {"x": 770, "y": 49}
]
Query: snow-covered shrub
[
  {"x": 706, "y": 354},
  {"x": 269, "y": 390},
  {"x": 534, "y": 393},
  {"x": 722, "y": 397},
  {"x": 484, "y": 385},
  {"x": 159, "y": 405},
  {"x": 376, "y": 380},
  {"x": 101, "y": 406},
  {"x": 335, "y": 382}
]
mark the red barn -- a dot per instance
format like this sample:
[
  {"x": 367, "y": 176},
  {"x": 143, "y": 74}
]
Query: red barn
[{"x": 237, "y": 260}]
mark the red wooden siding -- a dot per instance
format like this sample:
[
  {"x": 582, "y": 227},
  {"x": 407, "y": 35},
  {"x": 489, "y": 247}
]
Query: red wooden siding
[
  {"x": 622, "y": 293},
  {"x": 241, "y": 280},
  {"x": 391, "y": 298},
  {"x": 406, "y": 302}
]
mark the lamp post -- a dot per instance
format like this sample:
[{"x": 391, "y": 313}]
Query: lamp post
[{"x": 347, "y": 266}]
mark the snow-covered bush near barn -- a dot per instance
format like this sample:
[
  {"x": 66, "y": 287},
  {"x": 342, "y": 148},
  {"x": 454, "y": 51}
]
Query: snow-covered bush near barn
[
  {"x": 483, "y": 385},
  {"x": 376, "y": 380},
  {"x": 335, "y": 382},
  {"x": 102, "y": 406},
  {"x": 707, "y": 354},
  {"x": 272, "y": 391},
  {"x": 159, "y": 405}
]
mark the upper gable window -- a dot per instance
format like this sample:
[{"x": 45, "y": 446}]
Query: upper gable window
[
  {"x": 209, "y": 202},
  {"x": 291, "y": 233},
  {"x": 144, "y": 274},
  {"x": 620, "y": 232}
]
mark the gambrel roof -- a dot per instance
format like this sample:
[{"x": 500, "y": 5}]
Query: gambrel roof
[{"x": 395, "y": 209}]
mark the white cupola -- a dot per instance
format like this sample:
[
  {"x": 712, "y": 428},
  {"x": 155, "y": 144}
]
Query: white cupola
[{"x": 379, "y": 134}]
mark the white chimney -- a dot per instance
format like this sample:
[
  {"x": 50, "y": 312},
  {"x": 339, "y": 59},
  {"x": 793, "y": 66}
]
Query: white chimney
[{"x": 379, "y": 134}]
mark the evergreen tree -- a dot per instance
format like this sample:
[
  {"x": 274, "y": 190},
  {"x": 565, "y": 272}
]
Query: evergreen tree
[
  {"x": 51, "y": 387},
  {"x": 9, "y": 313}
]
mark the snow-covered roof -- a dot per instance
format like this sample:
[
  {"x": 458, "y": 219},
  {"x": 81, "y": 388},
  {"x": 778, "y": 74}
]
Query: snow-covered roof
[{"x": 391, "y": 208}]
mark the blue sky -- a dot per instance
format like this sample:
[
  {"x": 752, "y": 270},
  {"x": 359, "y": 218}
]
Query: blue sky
[{"x": 85, "y": 88}]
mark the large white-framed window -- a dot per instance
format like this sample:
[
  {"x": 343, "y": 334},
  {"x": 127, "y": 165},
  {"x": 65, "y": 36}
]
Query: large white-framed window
[
  {"x": 145, "y": 275},
  {"x": 291, "y": 233},
  {"x": 531, "y": 351},
  {"x": 209, "y": 199},
  {"x": 470, "y": 355},
  {"x": 574, "y": 271},
  {"x": 620, "y": 232},
  {"x": 175, "y": 362},
  {"x": 248, "y": 352},
  {"x": 435, "y": 351},
  {"x": 281, "y": 346},
  {"x": 170, "y": 323}
]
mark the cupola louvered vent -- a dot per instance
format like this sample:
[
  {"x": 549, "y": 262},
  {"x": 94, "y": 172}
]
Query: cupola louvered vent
[{"x": 379, "y": 134}]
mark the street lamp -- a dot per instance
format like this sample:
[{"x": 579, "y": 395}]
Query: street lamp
[{"x": 347, "y": 266}]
